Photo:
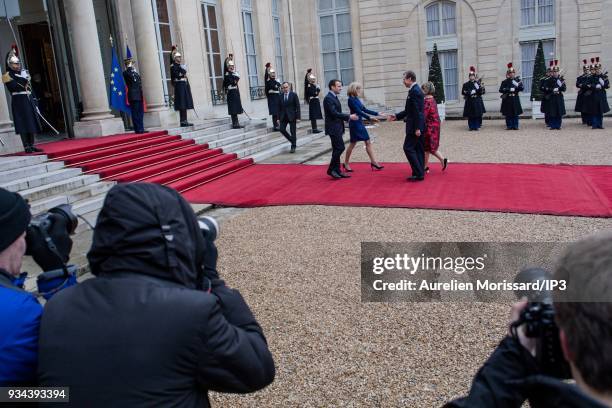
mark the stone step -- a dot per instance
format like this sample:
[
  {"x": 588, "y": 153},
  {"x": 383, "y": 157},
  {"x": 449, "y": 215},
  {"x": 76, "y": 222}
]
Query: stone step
[
  {"x": 211, "y": 125},
  {"x": 15, "y": 174},
  {"x": 252, "y": 143},
  {"x": 71, "y": 197},
  {"x": 230, "y": 140},
  {"x": 204, "y": 136},
  {"x": 58, "y": 187},
  {"x": 267, "y": 152},
  {"x": 17, "y": 162},
  {"x": 38, "y": 180}
]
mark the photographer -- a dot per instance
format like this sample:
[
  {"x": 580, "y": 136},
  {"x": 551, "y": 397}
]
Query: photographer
[
  {"x": 514, "y": 373},
  {"x": 20, "y": 309},
  {"x": 156, "y": 327}
]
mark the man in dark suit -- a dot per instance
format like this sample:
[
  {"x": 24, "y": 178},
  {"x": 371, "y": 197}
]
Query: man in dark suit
[
  {"x": 334, "y": 127},
  {"x": 289, "y": 114},
  {"x": 133, "y": 82},
  {"x": 414, "y": 147}
]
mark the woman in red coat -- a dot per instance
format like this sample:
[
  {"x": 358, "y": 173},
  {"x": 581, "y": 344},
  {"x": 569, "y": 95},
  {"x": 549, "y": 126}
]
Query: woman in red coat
[{"x": 432, "y": 126}]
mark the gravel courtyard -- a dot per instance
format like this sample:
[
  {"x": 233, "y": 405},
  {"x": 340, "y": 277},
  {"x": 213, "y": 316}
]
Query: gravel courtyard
[{"x": 299, "y": 269}]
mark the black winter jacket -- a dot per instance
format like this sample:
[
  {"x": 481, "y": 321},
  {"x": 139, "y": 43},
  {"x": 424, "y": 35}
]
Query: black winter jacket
[
  {"x": 144, "y": 333},
  {"x": 509, "y": 377}
]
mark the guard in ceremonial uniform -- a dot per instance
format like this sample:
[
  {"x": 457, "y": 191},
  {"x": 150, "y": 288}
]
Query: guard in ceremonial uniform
[
  {"x": 473, "y": 109},
  {"x": 311, "y": 93},
  {"x": 552, "y": 91},
  {"x": 230, "y": 84},
  {"x": 273, "y": 87},
  {"x": 544, "y": 101},
  {"x": 23, "y": 103},
  {"x": 581, "y": 98},
  {"x": 511, "y": 103},
  {"x": 598, "y": 102},
  {"x": 182, "y": 90},
  {"x": 135, "y": 97}
]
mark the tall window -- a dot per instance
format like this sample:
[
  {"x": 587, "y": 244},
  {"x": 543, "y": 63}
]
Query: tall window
[
  {"x": 249, "y": 41},
  {"x": 336, "y": 42},
  {"x": 278, "y": 48},
  {"x": 450, "y": 73},
  {"x": 164, "y": 43},
  {"x": 441, "y": 19},
  {"x": 528, "y": 53},
  {"x": 535, "y": 12},
  {"x": 213, "y": 48}
]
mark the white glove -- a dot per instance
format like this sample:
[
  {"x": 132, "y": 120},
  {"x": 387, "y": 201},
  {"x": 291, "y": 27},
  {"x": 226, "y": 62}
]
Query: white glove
[
  {"x": 514, "y": 83},
  {"x": 512, "y": 89},
  {"x": 598, "y": 86},
  {"x": 25, "y": 74},
  {"x": 556, "y": 90},
  {"x": 559, "y": 83},
  {"x": 476, "y": 85},
  {"x": 473, "y": 92},
  {"x": 601, "y": 81},
  {"x": 184, "y": 66}
]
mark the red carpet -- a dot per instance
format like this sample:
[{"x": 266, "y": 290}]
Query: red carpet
[
  {"x": 154, "y": 157},
  {"x": 518, "y": 188}
]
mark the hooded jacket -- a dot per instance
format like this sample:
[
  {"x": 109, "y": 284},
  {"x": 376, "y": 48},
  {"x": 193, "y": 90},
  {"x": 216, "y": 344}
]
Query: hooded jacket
[{"x": 143, "y": 332}]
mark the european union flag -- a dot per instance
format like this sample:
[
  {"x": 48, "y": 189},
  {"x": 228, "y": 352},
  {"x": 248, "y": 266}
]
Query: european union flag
[{"x": 117, "y": 86}]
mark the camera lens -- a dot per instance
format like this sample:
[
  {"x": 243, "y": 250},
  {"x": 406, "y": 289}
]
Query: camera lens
[
  {"x": 65, "y": 210},
  {"x": 209, "y": 227}
]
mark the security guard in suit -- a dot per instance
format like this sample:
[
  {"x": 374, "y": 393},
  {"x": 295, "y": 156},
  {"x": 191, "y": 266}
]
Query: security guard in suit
[
  {"x": 135, "y": 97},
  {"x": 23, "y": 101}
]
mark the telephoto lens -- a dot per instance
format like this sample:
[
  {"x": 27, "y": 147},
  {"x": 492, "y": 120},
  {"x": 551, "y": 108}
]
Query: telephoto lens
[{"x": 209, "y": 227}]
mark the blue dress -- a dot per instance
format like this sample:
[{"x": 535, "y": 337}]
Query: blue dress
[{"x": 357, "y": 129}]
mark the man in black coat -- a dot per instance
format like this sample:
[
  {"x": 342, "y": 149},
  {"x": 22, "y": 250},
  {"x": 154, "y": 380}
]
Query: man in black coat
[
  {"x": 511, "y": 102},
  {"x": 230, "y": 85},
  {"x": 334, "y": 126},
  {"x": 597, "y": 104},
  {"x": 414, "y": 147},
  {"x": 472, "y": 92},
  {"x": 273, "y": 87},
  {"x": 135, "y": 97},
  {"x": 581, "y": 97},
  {"x": 156, "y": 326},
  {"x": 23, "y": 105},
  {"x": 552, "y": 89},
  {"x": 289, "y": 114},
  {"x": 183, "y": 100},
  {"x": 583, "y": 313}
]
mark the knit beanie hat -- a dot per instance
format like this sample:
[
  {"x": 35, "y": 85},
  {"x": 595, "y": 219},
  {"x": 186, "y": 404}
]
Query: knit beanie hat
[{"x": 14, "y": 217}]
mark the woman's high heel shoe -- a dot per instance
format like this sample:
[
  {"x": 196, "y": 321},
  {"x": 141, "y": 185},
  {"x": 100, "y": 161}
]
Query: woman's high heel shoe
[
  {"x": 376, "y": 166},
  {"x": 347, "y": 168},
  {"x": 444, "y": 164}
]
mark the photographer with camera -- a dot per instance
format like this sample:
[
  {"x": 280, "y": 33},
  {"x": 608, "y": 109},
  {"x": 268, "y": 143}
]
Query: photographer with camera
[
  {"x": 554, "y": 337},
  {"x": 156, "y": 326},
  {"x": 46, "y": 239}
]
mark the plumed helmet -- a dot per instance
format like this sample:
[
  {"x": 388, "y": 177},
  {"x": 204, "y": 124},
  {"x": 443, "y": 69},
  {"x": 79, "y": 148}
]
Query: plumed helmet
[
  {"x": 472, "y": 70},
  {"x": 556, "y": 67},
  {"x": 175, "y": 53},
  {"x": 510, "y": 68}
]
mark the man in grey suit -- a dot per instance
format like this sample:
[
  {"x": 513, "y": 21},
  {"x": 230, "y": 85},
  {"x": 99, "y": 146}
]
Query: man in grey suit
[{"x": 414, "y": 147}]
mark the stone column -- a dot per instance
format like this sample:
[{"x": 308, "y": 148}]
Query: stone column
[
  {"x": 264, "y": 34},
  {"x": 9, "y": 141},
  {"x": 147, "y": 59},
  {"x": 97, "y": 119}
]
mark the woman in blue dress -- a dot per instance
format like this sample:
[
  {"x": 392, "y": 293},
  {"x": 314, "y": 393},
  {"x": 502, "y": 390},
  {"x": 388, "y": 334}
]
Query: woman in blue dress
[{"x": 358, "y": 131}]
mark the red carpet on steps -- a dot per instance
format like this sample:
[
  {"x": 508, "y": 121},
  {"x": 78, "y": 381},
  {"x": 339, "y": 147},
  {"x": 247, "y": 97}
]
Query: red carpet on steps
[
  {"x": 154, "y": 157},
  {"x": 519, "y": 188}
]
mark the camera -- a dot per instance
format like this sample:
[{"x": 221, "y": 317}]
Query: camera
[
  {"x": 539, "y": 320},
  {"x": 48, "y": 242},
  {"x": 209, "y": 227}
]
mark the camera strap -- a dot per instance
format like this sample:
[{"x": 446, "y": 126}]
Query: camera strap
[{"x": 53, "y": 248}]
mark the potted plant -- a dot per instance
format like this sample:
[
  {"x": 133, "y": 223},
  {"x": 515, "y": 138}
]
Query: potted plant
[
  {"x": 539, "y": 72},
  {"x": 435, "y": 77}
]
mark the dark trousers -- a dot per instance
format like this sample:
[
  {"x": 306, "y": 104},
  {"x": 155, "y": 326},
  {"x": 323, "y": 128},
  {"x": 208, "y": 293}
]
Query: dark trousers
[
  {"x": 337, "y": 148},
  {"x": 586, "y": 119},
  {"x": 275, "y": 121},
  {"x": 547, "y": 119},
  {"x": 555, "y": 122},
  {"x": 137, "y": 116},
  {"x": 597, "y": 121},
  {"x": 313, "y": 123},
  {"x": 27, "y": 139},
  {"x": 512, "y": 122},
  {"x": 414, "y": 149},
  {"x": 183, "y": 115},
  {"x": 235, "y": 120},
  {"x": 475, "y": 122},
  {"x": 292, "y": 138}
]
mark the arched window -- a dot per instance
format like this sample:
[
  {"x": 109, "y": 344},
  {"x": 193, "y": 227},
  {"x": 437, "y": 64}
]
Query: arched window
[
  {"x": 537, "y": 12},
  {"x": 441, "y": 19}
]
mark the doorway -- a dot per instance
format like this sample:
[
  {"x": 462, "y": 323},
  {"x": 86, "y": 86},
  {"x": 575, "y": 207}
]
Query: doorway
[{"x": 40, "y": 62}]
